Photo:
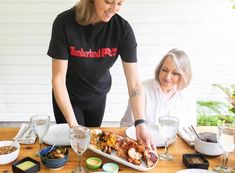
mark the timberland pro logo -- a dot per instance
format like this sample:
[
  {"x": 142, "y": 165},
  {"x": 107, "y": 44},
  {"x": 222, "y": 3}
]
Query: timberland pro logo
[{"x": 100, "y": 53}]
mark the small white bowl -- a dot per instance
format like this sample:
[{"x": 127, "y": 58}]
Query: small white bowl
[
  {"x": 8, "y": 158},
  {"x": 207, "y": 148},
  {"x": 110, "y": 167}
]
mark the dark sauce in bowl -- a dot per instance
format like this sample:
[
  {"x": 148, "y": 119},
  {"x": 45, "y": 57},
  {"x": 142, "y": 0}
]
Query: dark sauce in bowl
[{"x": 208, "y": 137}]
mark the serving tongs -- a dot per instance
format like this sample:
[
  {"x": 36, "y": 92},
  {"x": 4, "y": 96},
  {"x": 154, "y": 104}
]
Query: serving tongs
[
  {"x": 18, "y": 137},
  {"x": 56, "y": 141}
]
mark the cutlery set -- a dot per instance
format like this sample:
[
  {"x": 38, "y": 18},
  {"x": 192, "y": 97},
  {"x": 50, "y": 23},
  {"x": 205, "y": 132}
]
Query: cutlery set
[
  {"x": 188, "y": 134},
  {"x": 25, "y": 135}
]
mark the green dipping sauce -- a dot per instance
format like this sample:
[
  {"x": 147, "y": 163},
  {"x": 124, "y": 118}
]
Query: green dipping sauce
[{"x": 25, "y": 165}]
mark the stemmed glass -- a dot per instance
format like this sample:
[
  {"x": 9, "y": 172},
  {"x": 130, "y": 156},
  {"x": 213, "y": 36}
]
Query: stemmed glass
[
  {"x": 79, "y": 140},
  {"x": 40, "y": 124},
  {"x": 168, "y": 127},
  {"x": 226, "y": 140}
]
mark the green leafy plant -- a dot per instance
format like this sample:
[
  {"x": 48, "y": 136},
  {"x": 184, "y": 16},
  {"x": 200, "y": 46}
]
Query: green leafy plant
[
  {"x": 214, "y": 120},
  {"x": 212, "y": 113},
  {"x": 229, "y": 92},
  {"x": 211, "y": 107}
]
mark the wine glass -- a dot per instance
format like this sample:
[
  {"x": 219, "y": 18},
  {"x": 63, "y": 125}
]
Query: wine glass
[
  {"x": 168, "y": 127},
  {"x": 79, "y": 140},
  {"x": 226, "y": 140},
  {"x": 40, "y": 124}
]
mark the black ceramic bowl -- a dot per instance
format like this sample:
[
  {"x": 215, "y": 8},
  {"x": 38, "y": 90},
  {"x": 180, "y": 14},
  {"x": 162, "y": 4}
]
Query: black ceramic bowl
[
  {"x": 196, "y": 160},
  {"x": 26, "y": 165},
  {"x": 54, "y": 162}
]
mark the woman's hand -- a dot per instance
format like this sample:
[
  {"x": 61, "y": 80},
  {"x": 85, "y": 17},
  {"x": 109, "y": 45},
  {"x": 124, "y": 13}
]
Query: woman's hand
[{"x": 143, "y": 134}]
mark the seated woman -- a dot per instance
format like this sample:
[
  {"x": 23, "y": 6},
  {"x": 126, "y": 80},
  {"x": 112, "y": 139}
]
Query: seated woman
[{"x": 166, "y": 94}]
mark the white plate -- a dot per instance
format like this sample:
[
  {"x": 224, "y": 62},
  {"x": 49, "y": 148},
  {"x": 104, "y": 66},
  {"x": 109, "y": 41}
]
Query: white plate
[
  {"x": 113, "y": 156},
  {"x": 54, "y": 132},
  {"x": 153, "y": 129},
  {"x": 195, "y": 171}
]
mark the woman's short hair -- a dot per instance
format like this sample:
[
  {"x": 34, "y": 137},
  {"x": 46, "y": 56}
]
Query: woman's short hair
[
  {"x": 84, "y": 10},
  {"x": 182, "y": 64}
]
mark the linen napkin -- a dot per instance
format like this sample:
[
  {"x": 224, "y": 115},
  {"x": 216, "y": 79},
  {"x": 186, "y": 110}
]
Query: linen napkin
[
  {"x": 28, "y": 137},
  {"x": 187, "y": 135}
]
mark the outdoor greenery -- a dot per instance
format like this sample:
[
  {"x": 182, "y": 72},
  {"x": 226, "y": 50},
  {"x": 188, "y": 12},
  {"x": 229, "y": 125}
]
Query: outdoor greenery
[
  {"x": 212, "y": 113},
  {"x": 233, "y": 4},
  {"x": 204, "y": 120},
  {"x": 229, "y": 92}
]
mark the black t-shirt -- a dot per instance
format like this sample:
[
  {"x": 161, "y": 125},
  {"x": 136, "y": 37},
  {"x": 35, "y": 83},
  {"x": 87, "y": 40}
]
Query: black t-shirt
[{"x": 91, "y": 51}]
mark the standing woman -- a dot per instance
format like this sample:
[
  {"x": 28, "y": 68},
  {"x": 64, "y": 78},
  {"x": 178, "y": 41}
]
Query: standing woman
[{"x": 85, "y": 43}]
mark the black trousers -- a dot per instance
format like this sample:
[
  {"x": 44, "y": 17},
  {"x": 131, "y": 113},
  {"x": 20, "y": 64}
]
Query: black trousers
[{"x": 88, "y": 112}]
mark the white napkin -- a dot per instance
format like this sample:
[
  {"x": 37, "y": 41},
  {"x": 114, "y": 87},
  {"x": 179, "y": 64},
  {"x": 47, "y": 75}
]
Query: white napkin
[
  {"x": 28, "y": 137},
  {"x": 186, "y": 135}
]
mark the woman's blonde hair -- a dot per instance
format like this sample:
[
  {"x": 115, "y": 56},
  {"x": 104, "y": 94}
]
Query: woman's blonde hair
[
  {"x": 182, "y": 63},
  {"x": 84, "y": 10}
]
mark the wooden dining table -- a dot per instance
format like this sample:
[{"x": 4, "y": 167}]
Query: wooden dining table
[{"x": 177, "y": 149}]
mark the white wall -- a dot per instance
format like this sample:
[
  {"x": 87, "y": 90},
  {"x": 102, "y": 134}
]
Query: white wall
[{"x": 203, "y": 28}]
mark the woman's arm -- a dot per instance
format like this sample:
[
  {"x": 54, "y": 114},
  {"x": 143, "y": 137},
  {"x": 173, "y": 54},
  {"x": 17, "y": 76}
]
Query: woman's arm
[
  {"x": 135, "y": 90},
  {"x": 137, "y": 101},
  {"x": 59, "y": 70}
]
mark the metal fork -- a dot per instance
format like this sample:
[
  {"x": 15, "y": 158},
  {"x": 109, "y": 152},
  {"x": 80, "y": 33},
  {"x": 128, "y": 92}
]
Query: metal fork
[{"x": 193, "y": 131}]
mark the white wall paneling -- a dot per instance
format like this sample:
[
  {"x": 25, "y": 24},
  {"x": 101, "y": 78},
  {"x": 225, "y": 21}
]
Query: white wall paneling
[{"x": 203, "y": 28}]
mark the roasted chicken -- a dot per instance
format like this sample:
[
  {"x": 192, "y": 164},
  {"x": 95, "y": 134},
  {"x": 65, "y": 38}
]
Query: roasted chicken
[{"x": 133, "y": 151}]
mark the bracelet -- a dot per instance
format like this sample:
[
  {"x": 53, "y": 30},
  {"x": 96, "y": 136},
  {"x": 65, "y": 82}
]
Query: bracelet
[{"x": 139, "y": 121}]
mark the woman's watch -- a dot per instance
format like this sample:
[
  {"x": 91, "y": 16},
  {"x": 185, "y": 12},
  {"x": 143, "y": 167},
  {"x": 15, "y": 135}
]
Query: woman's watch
[{"x": 139, "y": 121}]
